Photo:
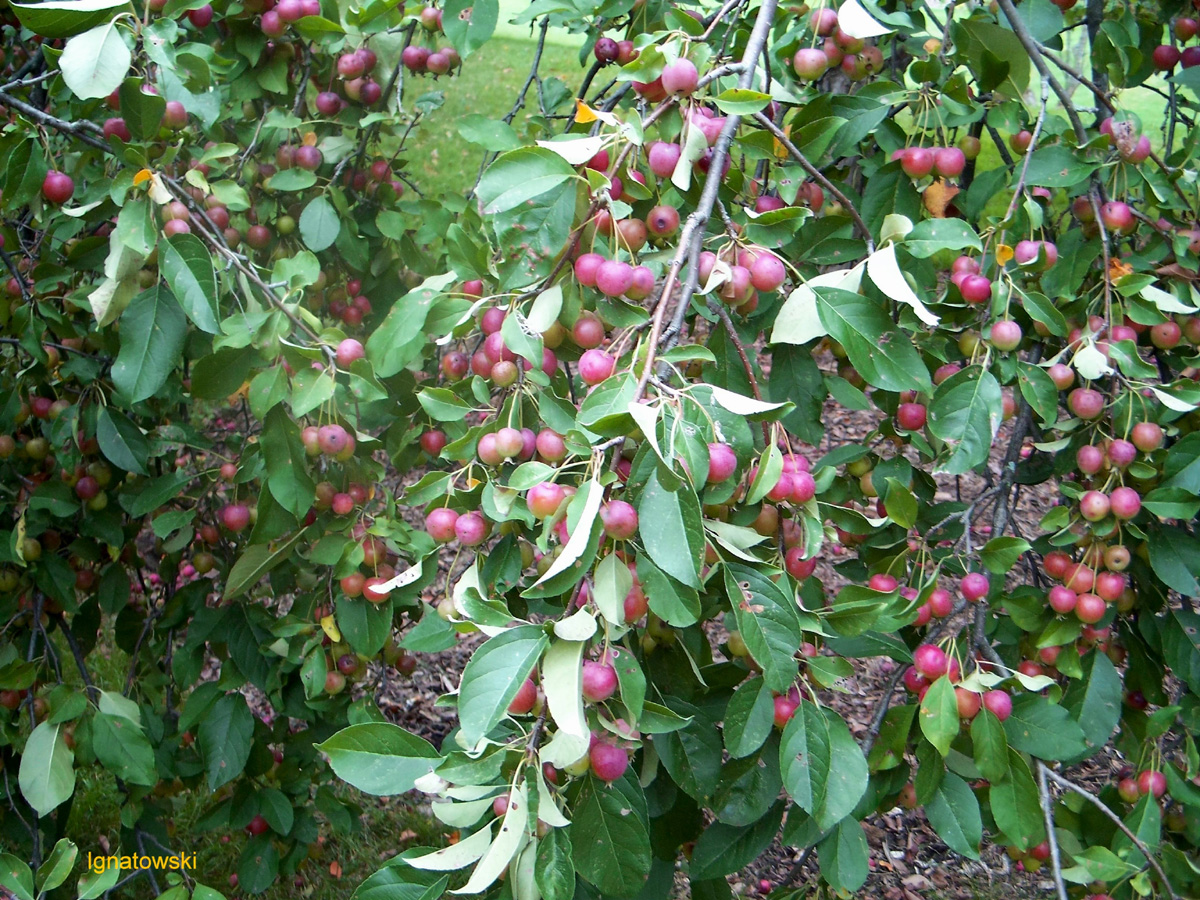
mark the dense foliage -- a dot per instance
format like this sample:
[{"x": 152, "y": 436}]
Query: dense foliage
[{"x": 260, "y": 399}]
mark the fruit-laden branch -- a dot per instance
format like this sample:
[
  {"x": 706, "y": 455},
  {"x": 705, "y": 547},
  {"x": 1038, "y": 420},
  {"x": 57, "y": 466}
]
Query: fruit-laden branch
[
  {"x": 817, "y": 175},
  {"x": 1103, "y": 100},
  {"x": 692, "y": 236},
  {"x": 1115, "y": 819},
  {"x": 81, "y": 131}
]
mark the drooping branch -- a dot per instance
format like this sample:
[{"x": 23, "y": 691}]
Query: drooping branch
[{"x": 818, "y": 176}]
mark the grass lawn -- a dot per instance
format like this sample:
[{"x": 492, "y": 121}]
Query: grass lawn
[{"x": 439, "y": 159}]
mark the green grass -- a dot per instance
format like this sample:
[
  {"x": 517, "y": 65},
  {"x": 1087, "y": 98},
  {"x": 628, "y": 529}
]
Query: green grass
[{"x": 438, "y": 158}]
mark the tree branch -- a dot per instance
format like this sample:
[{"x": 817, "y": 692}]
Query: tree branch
[
  {"x": 84, "y": 129},
  {"x": 1114, "y": 818},
  {"x": 1048, "y": 816},
  {"x": 1033, "y": 48},
  {"x": 818, "y": 175},
  {"x": 692, "y": 236}
]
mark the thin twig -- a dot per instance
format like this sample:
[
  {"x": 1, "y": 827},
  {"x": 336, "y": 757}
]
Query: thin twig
[
  {"x": 1048, "y": 815},
  {"x": 1033, "y": 141}
]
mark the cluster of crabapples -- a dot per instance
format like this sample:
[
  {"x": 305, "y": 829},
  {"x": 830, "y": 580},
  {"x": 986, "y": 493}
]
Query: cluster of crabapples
[
  {"x": 852, "y": 55},
  {"x": 944, "y": 162},
  {"x": 1167, "y": 56},
  {"x": 608, "y": 753},
  {"x": 421, "y": 60}
]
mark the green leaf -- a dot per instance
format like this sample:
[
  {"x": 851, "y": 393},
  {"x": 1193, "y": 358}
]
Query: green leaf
[
  {"x": 938, "y": 715},
  {"x": 292, "y": 180},
  {"x": 741, "y": 102},
  {"x": 554, "y": 869},
  {"x": 393, "y": 345},
  {"x": 631, "y": 680},
  {"x": 1000, "y": 554},
  {"x": 57, "y": 867},
  {"x": 225, "y": 737},
  {"x": 153, "y": 329},
  {"x": 495, "y": 135},
  {"x": 610, "y": 836},
  {"x": 724, "y": 849},
  {"x": 16, "y": 876},
  {"x": 844, "y": 856},
  {"x": 1016, "y": 806},
  {"x": 255, "y": 562},
  {"x": 692, "y": 754},
  {"x": 749, "y": 718},
  {"x": 47, "y": 773},
  {"x": 311, "y": 389},
  {"x": 1056, "y": 166},
  {"x": 1181, "y": 646},
  {"x": 216, "y": 376},
  {"x": 93, "y": 885},
  {"x": 1097, "y": 864},
  {"x": 379, "y": 758},
  {"x": 188, "y": 268},
  {"x": 965, "y": 414},
  {"x": 443, "y": 405},
  {"x": 366, "y": 626},
  {"x": 94, "y": 64},
  {"x": 277, "y": 810},
  {"x": 768, "y": 623},
  {"x": 287, "y": 464},
  {"x": 1043, "y": 729},
  {"x": 1038, "y": 390},
  {"x": 470, "y": 23},
  {"x": 823, "y": 767},
  {"x": 1175, "y": 558},
  {"x": 883, "y": 355},
  {"x": 123, "y": 749},
  {"x": 64, "y": 18},
  {"x": 121, "y": 441},
  {"x": 268, "y": 388},
  {"x": 519, "y": 175},
  {"x": 954, "y": 814},
  {"x": 319, "y": 225},
  {"x": 672, "y": 529},
  {"x": 142, "y": 111},
  {"x": 258, "y": 866},
  {"x": 493, "y": 676},
  {"x": 990, "y": 745},
  {"x": 933, "y": 235},
  {"x": 1094, "y": 699}
]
